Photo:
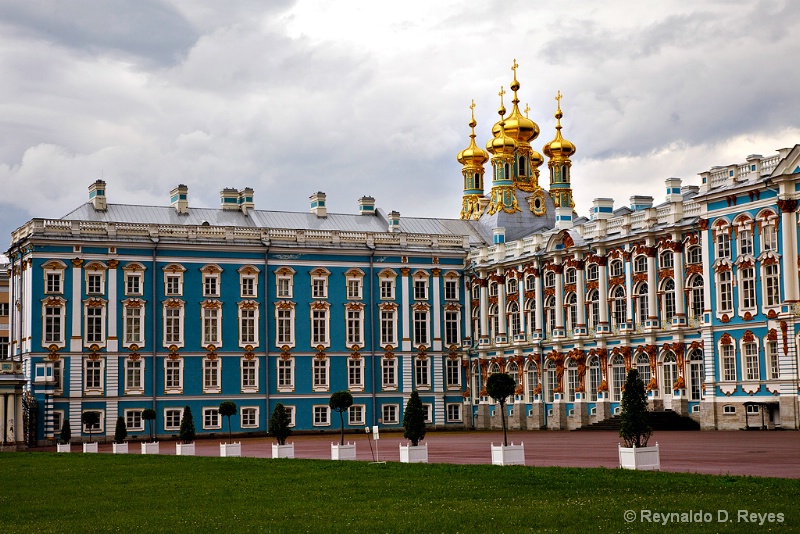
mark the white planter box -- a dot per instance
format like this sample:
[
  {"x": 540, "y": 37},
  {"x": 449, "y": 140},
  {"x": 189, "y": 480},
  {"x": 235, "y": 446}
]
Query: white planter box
[
  {"x": 508, "y": 455},
  {"x": 150, "y": 448},
  {"x": 343, "y": 452},
  {"x": 641, "y": 458},
  {"x": 66, "y": 447},
  {"x": 184, "y": 449},
  {"x": 283, "y": 451},
  {"x": 230, "y": 449},
  {"x": 90, "y": 447},
  {"x": 120, "y": 448},
  {"x": 414, "y": 455}
]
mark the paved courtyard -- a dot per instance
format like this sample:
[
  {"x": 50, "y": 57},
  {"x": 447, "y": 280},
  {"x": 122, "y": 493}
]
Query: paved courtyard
[{"x": 756, "y": 453}]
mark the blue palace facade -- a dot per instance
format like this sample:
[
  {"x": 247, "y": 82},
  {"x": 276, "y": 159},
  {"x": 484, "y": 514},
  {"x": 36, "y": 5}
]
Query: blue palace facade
[{"x": 119, "y": 308}]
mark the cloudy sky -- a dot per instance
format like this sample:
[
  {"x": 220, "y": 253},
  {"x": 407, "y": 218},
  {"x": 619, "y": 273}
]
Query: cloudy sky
[{"x": 360, "y": 97}]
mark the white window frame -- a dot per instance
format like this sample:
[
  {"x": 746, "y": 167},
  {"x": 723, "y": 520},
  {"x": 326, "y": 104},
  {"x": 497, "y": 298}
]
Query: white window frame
[
  {"x": 211, "y": 418},
  {"x": 101, "y": 423},
  {"x": 724, "y": 290},
  {"x": 393, "y": 413},
  {"x": 251, "y": 366},
  {"x": 355, "y": 374},
  {"x": 173, "y": 274},
  {"x": 421, "y": 287},
  {"x": 129, "y": 369},
  {"x": 173, "y": 368},
  {"x": 128, "y": 307},
  {"x": 354, "y": 284},
  {"x": 95, "y": 279},
  {"x": 248, "y": 282},
  {"x": 421, "y": 325},
  {"x": 173, "y": 305},
  {"x": 751, "y": 361},
  {"x": 282, "y": 369},
  {"x": 53, "y": 282},
  {"x": 356, "y": 415},
  {"x": 453, "y": 373},
  {"x": 212, "y": 375},
  {"x": 211, "y": 324},
  {"x": 747, "y": 289},
  {"x": 771, "y": 285},
  {"x": 387, "y": 286},
  {"x": 96, "y": 338},
  {"x": 284, "y": 316},
  {"x": 290, "y": 411},
  {"x": 321, "y": 415},
  {"x": 727, "y": 374},
  {"x": 133, "y": 276},
  {"x": 427, "y": 408},
  {"x": 170, "y": 416},
  {"x": 454, "y": 412},
  {"x": 388, "y": 370},
  {"x": 722, "y": 243},
  {"x": 211, "y": 279},
  {"x": 59, "y": 304},
  {"x": 284, "y": 283},
  {"x": 769, "y": 237},
  {"x": 771, "y": 363},
  {"x": 319, "y": 283},
  {"x": 354, "y": 326},
  {"x": 422, "y": 373},
  {"x": 320, "y": 374},
  {"x": 98, "y": 386},
  {"x": 249, "y": 412},
  {"x": 388, "y": 326},
  {"x": 324, "y": 321},
  {"x": 451, "y": 287},
  {"x": 131, "y": 419},
  {"x": 249, "y": 312}
]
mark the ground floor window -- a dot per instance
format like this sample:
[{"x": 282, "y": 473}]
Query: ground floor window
[
  {"x": 211, "y": 419},
  {"x": 390, "y": 414},
  {"x": 454, "y": 413},
  {"x": 356, "y": 415},
  {"x": 249, "y": 417},
  {"x": 172, "y": 418},
  {"x": 133, "y": 420},
  {"x": 322, "y": 416}
]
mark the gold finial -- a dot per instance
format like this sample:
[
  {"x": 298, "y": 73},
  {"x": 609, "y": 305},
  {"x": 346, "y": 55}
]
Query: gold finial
[
  {"x": 515, "y": 83},
  {"x": 514, "y": 67},
  {"x": 558, "y": 98},
  {"x": 558, "y": 113},
  {"x": 527, "y": 109},
  {"x": 472, "y": 123},
  {"x": 502, "y": 110}
]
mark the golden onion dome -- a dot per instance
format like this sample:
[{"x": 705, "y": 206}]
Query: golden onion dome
[
  {"x": 502, "y": 144},
  {"x": 559, "y": 147},
  {"x": 536, "y": 159},
  {"x": 518, "y": 126},
  {"x": 472, "y": 155}
]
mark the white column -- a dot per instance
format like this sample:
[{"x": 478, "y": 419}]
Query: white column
[
  {"x": 111, "y": 318},
  {"x": 467, "y": 319},
  {"x": 523, "y": 328},
  {"x": 789, "y": 251},
  {"x": 680, "y": 279},
  {"x": 628, "y": 286},
  {"x": 501, "y": 303},
  {"x": 437, "y": 310},
  {"x": 406, "y": 315},
  {"x": 539, "y": 315},
  {"x": 559, "y": 296},
  {"x": 602, "y": 289},
  {"x": 484, "y": 306},
  {"x": 708, "y": 277},
  {"x": 76, "y": 334},
  {"x": 652, "y": 286},
  {"x": 580, "y": 289}
]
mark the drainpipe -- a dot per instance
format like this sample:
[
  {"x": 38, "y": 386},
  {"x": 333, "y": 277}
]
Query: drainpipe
[
  {"x": 154, "y": 320},
  {"x": 266, "y": 244},
  {"x": 370, "y": 318}
]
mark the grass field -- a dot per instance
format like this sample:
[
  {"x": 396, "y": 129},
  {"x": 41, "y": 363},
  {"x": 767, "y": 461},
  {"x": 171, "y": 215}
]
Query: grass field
[{"x": 45, "y": 492}]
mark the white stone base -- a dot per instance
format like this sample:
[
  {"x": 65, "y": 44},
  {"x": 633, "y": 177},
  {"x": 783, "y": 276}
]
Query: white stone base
[
  {"x": 184, "y": 449},
  {"x": 231, "y": 450},
  {"x": 150, "y": 448},
  {"x": 414, "y": 455},
  {"x": 508, "y": 455},
  {"x": 641, "y": 458},
  {"x": 66, "y": 447},
  {"x": 343, "y": 452},
  {"x": 90, "y": 447},
  {"x": 283, "y": 451},
  {"x": 119, "y": 448}
]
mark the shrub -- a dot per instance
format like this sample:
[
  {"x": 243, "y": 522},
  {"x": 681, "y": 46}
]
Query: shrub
[
  {"x": 340, "y": 402},
  {"x": 120, "y": 431},
  {"x": 89, "y": 420},
  {"x": 279, "y": 424},
  {"x": 149, "y": 415},
  {"x": 228, "y": 409},
  {"x": 187, "y": 433},
  {"x": 499, "y": 386},
  {"x": 635, "y": 428},
  {"x": 414, "y": 420},
  {"x": 66, "y": 434}
]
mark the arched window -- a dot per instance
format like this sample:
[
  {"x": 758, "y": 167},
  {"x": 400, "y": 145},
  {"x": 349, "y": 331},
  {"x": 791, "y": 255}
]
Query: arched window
[
  {"x": 641, "y": 303},
  {"x": 530, "y": 283},
  {"x": 593, "y": 366},
  {"x": 512, "y": 319},
  {"x": 492, "y": 289},
  {"x": 640, "y": 264},
  {"x": 617, "y": 377},
  {"x": 530, "y": 315},
  {"x": 665, "y": 260},
  {"x": 506, "y": 171},
  {"x": 521, "y": 164},
  {"x": 593, "y": 305},
  {"x": 572, "y": 311},
  {"x": 769, "y": 238},
  {"x": 620, "y": 308},
  {"x": 746, "y": 239},
  {"x": 669, "y": 373},
  {"x": 723, "y": 243},
  {"x": 494, "y": 322},
  {"x": 531, "y": 380},
  {"x": 549, "y": 314},
  {"x": 669, "y": 301},
  {"x": 550, "y": 380},
  {"x": 513, "y": 371},
  {"x": 476, "y": 322},
  {"x": 694, "y": 256},
  {"x": 512, "y": 286},
  {"x": 475, "y": 380},
  {"x": 570, "y": 276},
  {"x": 696, "y": 297},
  {"x": 643, "y": 366},
  {"x": 616, "y": 268},
  {"x": 550, "y": 279},
  {"x": 696, "y": 375},
  {"x": 592, "y": 272},
  {"x": 572, "y": 379}
]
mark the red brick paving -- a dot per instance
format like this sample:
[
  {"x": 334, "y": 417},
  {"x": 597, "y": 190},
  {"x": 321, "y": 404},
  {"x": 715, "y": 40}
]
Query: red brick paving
[{"x": 754, "y": 453}]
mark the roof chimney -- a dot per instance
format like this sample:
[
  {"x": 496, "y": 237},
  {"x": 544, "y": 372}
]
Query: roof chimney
[
  {"x": 394, "y": 221},
  {"x": 318, "y": 207},
  {"x": 97, "y": 195},
  {"x": 602, "y": 208},
  {"x": 229, "y": 199},
  {"x": 179, "y": 197},
  {"x": 673, "y": 190},
  {"x": 639, "y": 203},
  {"x": 246, "y": 200},
  {"x": 366, "y": 206}
]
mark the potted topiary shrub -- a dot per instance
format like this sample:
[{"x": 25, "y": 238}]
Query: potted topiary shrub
[
  {"x": 340, "y": 402},
  {"x": 500, "y": 386},
  {"x": 90, "y": 419},
  {"x": 279, "y": 427},
  {"x": 149, "y": 415},
  {"x": 414, "y": 425},
  {"x": 64, "y": 438},
  {"x": 120, "y": 433},
  {"x": 185, "y": 445},
  {"x": 228, "y": 409},
  {"x": 635, "y": 429}
]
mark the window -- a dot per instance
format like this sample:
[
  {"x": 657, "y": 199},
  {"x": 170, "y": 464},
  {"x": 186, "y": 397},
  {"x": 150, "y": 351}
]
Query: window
[
  {"x": 531, "y": 381},
  {"x": 211, "y": 420},
  {"x": 94, "y": 323},
  {"x": 694, "y": 256},
  {"x": 290, "y": 412},
  {"x": 355, "y": 326},
  {"x": 390, "y": 414},
  {"x": 173, "y": 284},
  {"x": 210, "y": 284},
  {"x": 427, "y": 409},
  {"x": 572, "y": 379},
  {"x": 725, "y": 292},
  {"x": 355, "y": 373},
  {"x": 92, "y": 376},
  {"x": 745, "y": 241},
  {"x": 696, "y": 297},
  {"x": 570, "y": 276},
  {"x": 58, "y": 421},
  {"x": 642, "y": 303},
  {"x": 249, "y": 417},
  {"x": 422, "y": 372},
  {"x": 212, "y": 326},
  {"x": 321, "y": 416},
  {"x": 728, "y": 363},
  {"x": 640, "y": 264},
  {"x": 173, "y": 323},
  {"x": 550, "y": 279},
  {"x": 769, "y": 238},
  {"x": 3, "y": 347},
  {"x": 355, "y": 415},
  {"x": 451, "y": 289},
  {"x": 696, "y": 375},
  {"x": 53, "y": 281},
  {"x": 453, "y": 373},
  {"x": 593, "y": 304},
  {"x": 248, "y": 320},
  {"x": 134, "y": 376},
  {"x": 420, "y": 289},
  {"x": 513, "y": 319},
  {"x": 618, "y": 377},
  {"x": 617, "y": 268},
  {"x": 748, "y": 288},
  {"x": 551, "y": 381},
  {"x": 249, "y": 369},
  {"x": 619, "y": 316},
  {"x": 133, "y": 283},
  {"x": 284, "y": 325},
  {"x": 284, "y": 289},
  {"x": 643, "y": 366},
  {"x": 729, "y": 409},
  {"x": 388, "y": 327},
  {"x": 751, "y": 364},
  {"x": 248, "y": 281},
  {"x": 665, "y": 261},
  {"x": 421, "y": 327},
  {"x": 172, "y": 418},
  {"x": 389, "y": 373},
  {"x": 771, "y": 285},
  {"x": 94, "y": 283},
  {"x": 572, "y": 311},
  {"x": 133, "y": 420},
  {"x": 319, "y": 327},
  {"x": 530, "y": 283},
  {"x": 387, "y": 288},
  {"x": 133, "y": 324},
  {"x": 53, "y": 324},
  {"x": 319, "y": 283},
  {"x": 723, "y": 244},
  {"x": 212, "y": 369},
  {"x": 594, "y": 377},
  {"x": 453, "y": 413},
  {"x": 512, "y": 286},
  {"x": 354, "y": 284},
  {"x": 320, "y": 368},
  {"x": 492, "y": 289},
  {"x": 173, "y": 375},
  {"x": 669, "y": 374},
  {"x": 549, "y": 314},
  {"x": 669, "y": 300},
  {"x": 285, "y": 373},
  {"x": 98, "y": 426},
  {"x": 771, "y": 348}
]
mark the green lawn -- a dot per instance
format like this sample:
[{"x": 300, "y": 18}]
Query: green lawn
[{"x": 143, "y": 493}]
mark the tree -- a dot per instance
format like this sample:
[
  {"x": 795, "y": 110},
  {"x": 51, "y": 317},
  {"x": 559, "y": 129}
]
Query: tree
[
  {"x": 340, "y": 402},
  {"x": 228, "y": 409},
  {"x": 499, "y": 386},
  {"x": 414, "y": 420},
  {"x": 635, "y": 428},
  {"x": 149, "y": 415},
  {"x": 279, "y": 424},
  {"x": 90, "y": 420},
  {"x": 66, "y": 434},
  {"x": 187, "y": 433},
  {"x": 120, "y": 431}
]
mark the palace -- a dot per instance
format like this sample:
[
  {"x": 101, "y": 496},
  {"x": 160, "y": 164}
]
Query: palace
[{"x": 119, "y": 308}]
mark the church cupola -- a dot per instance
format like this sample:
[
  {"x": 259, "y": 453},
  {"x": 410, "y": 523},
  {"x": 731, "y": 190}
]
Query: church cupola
[
  {"x": 559, "y": 151},
  {"x": 503, "y": 149},
  {"x": 472, "y": 159}
]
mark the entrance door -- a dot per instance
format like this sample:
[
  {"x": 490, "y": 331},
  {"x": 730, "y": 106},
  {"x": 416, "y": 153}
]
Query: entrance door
[{"x": 669, "y": 374}]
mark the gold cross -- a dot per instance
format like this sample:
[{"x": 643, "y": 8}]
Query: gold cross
[
  {"x": 527, "y": 109},
  {"x": 559, "y": 97},
  {"x": 472, "y": 107},
  {"x": 514, "y": 68},
  {"x": 501, "y": 93}
]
